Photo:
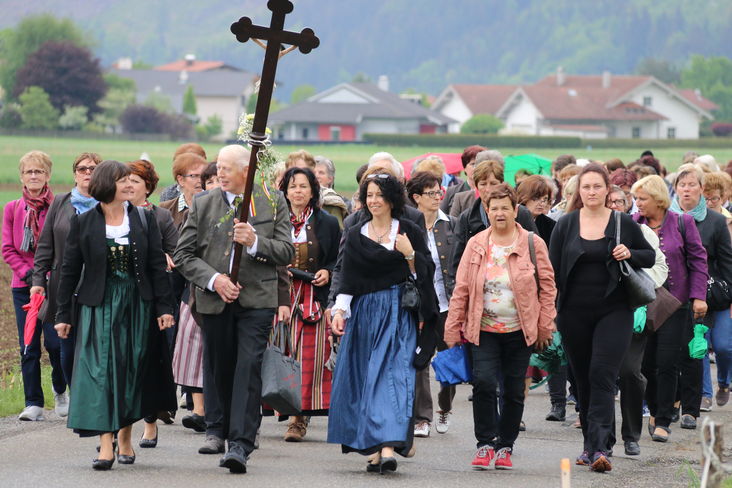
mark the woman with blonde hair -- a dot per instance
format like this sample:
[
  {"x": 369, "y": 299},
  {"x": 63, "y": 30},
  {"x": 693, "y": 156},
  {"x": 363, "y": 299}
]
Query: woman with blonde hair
[{"x": 23, "y": 220}]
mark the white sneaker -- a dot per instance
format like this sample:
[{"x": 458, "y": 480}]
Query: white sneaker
[
  {"x": 443, "y": 422},
  {"x": 31, "y": 413},
  {"x": 422, "y": 429},
  {"x": 61, "y": 401}
]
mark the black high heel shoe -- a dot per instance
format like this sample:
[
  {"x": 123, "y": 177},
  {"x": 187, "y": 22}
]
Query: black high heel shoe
[
  {"x": 104, "y": 464},
  {"x": 124, "y": 459},
  {"x": 387, "y": 464},
  {"x": 149, "y": 443}
]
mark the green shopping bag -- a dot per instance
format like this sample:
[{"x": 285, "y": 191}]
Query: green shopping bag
[
  {"x": 639, "y": 319},
  {"x": 551, "y": 358},
  {"x": 698, "y": 345}
]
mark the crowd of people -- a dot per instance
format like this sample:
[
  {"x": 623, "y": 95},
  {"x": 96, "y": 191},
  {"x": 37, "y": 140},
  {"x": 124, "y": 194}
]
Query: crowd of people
[{"x": 141, "y": 314}]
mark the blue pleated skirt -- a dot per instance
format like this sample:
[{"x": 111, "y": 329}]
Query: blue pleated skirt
[{"x": 372, "y": 400}]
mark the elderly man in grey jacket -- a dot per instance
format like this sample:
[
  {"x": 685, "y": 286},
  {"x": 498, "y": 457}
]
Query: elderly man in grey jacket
[{"x": 237, "y": 317}]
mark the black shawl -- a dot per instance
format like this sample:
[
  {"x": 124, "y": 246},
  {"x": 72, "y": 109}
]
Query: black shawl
[{"x": 369, "y": 266}]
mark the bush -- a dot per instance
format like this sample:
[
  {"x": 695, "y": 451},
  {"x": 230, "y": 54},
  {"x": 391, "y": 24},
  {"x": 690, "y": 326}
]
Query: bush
[
  {"x": 705, "y": 142},
  {"x": 141, "y": 119},
  {"x": 464, "y": 140},
  {"x": 36, "y": 110},
  {"x": 482, "y": 124},
  {"x": 10, "y": 117},
  {"x": 722, "y": 129},
  {"x": 74, "y": 118}
]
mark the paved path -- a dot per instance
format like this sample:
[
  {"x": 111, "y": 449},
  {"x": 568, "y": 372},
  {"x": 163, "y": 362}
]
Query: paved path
[{"x": 46, "y": 454}]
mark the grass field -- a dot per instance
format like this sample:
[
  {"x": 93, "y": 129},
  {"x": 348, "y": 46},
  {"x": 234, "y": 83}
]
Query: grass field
[{"x": 346, "y": 157}]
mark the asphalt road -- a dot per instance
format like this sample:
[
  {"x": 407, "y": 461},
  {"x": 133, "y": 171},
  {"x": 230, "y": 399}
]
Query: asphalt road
[{"x": 47, "y": 454}]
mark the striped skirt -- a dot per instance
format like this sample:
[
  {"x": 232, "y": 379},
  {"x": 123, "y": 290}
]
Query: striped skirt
[{"x": 188, "y": 355}]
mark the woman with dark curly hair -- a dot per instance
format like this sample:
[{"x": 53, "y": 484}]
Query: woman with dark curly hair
[
  {"x": 315, "y": 235},
  {"x": 374, "y": 380}
]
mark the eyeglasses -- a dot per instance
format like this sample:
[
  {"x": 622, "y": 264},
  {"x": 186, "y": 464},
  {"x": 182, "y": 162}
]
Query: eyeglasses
[
  {"x": 714, "y": 199},
  {"x": 193, "y": 176},
  {"x": 381, "y": 176},
  {"x": 617, "y": 203},
  {"x": 543, "y": 200},
  {"x": 85, "y": 169},
  {"x": 434, "y": 194},
  {"x": 34, "y": 172}
]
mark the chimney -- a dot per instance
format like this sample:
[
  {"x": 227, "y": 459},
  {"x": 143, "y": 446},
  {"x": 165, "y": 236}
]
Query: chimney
[
  {"x": 124, "y": 63},
  {"x": 190, "y": 59},
  {"x": 383, "y": 83},
  {"x": 606, "y": 79},
  {"x": 561, "y": 78}
]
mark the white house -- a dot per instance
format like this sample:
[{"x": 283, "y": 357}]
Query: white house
[
  {"x": 347, "y": 111},
  {"x": 219, "y": 89},
  {"x": 588, "y": 106}
]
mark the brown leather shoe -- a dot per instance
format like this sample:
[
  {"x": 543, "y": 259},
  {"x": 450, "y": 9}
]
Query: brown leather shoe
[
  {"x": 296, "y": 432},
  {"x": 722, "y": 396}
]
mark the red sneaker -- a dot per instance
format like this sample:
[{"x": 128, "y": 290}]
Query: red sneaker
[
  {"x": 483, "y": 457},
  {"x": 503, "y": 458}
]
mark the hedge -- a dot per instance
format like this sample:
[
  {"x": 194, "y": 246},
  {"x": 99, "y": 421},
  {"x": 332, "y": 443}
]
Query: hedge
[
  {"x": 464, "y": 140},
  {"x": 690, "y": 144}
]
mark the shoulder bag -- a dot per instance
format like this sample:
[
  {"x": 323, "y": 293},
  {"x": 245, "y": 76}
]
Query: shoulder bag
[
  {"x": 639, "y": 287},
  {"x": 281, "y": 381}
]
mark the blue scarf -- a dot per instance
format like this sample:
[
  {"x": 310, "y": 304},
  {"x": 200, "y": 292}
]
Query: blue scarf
[
  {"x": 80, "y": 202},
  {"x": 699, "y": 212}
]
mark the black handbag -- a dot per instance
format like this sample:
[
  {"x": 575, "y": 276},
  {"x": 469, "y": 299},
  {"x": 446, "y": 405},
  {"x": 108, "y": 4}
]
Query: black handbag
[
  {"x": 639, "y": 287},
  {"x": 281, "y": 382},
  {"x": 718, "y": 295},
  {"x": 411, "y": 299}
]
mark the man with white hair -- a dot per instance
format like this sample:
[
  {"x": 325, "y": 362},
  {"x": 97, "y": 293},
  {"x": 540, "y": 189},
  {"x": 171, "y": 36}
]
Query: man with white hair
[{"x": 237, "y": 317}]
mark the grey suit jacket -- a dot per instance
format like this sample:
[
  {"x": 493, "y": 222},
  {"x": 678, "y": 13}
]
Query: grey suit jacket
[
  {"x": 205, "y": 247},
  {"x": 50, "y": 253},
  {"x": 461, "y": 202}
]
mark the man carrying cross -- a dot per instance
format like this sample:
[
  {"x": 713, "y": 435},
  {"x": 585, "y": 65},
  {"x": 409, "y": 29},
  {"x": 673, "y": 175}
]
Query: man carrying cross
[{"x": 237, "y": 316}]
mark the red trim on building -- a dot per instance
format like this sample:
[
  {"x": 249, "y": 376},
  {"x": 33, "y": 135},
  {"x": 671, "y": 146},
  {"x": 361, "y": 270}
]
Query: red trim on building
[
  {"x": 325, "y": 132},
  {"x": 427, "y": 129}
]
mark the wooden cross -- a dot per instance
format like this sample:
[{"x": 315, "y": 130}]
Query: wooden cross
[{"x": 276, "y": 36}]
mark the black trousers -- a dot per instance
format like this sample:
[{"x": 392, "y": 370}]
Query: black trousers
[
  {"x": 662, "y": 361},
  {"x": 690, "y": 382},
  {"x": 503, "y": 356},
  {"x": 633, "y": 389},
  {"x": 423, "y": 395},
  {"x": 234, "y": 343},
  {"x": 596, "y": 338}
]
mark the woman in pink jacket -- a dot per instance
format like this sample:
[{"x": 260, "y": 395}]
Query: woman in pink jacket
[
  {"x": 503, "y": 305},
  {"x": 22, "y": 223}
]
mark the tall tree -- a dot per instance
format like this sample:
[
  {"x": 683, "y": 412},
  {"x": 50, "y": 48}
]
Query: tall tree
[
  {"x": 67, "y": 72},
  {"x": 661, "y": 69},
  {"x": 30, "y": 34},
  {"x": 301, "y": 92},
  {"x": 189, "y": 102},
  {"x": 713, "y": 77}
]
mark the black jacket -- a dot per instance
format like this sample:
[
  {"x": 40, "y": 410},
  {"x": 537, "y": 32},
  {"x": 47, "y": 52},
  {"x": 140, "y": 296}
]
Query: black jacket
[
  {"x": 715, "y": 238},
  {"x": 470, "y": 223},
  {"x": 87, "y": 248},
  {"x": 545, "y": 226},
  {"x": 566, "y": 248},
  {"x": 328, "y": 234}
]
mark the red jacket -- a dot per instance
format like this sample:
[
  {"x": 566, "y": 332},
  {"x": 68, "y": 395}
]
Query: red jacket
[{"x": 534, "y": 312}]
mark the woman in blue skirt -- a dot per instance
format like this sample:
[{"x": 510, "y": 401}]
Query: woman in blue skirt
[{"x": 372, "y": 401}]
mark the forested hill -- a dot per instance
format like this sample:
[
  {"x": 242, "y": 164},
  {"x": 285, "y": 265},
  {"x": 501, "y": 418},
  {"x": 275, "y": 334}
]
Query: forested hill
[{"x": 420, "y": 44}]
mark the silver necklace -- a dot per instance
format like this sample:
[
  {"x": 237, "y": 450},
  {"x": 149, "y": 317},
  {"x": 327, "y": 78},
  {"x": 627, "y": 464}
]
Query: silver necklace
[{"x": 379, "y": 238}]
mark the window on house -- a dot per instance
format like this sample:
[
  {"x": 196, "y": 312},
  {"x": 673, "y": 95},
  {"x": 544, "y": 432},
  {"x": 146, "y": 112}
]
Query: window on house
[
  {"x": 280, "y": 134},
  {"x": 671, "y": 133},
  {"x": 647, "y": 101},
  {"x": 305, "y": 133},
  {"x": 636, "y": 132},
  {"x": 335, "y": 133}
]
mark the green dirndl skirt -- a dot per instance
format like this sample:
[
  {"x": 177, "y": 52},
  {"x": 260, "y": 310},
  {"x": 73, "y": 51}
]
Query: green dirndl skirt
[{"x": 111, "y": 360}]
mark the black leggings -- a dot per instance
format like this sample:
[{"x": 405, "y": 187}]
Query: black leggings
[{"x": 596, "y": 339}]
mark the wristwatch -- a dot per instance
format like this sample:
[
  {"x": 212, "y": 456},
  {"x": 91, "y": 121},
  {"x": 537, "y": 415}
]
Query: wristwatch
[{"x": 410, "y": 257}]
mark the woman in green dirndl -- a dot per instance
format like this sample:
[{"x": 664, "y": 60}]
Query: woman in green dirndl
[{"x": 115, "y": 266}]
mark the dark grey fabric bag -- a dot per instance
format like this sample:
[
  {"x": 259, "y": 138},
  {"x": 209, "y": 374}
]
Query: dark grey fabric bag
[
  {"x": 639, "y": 287},
  {"x": 281, "y": 381}
]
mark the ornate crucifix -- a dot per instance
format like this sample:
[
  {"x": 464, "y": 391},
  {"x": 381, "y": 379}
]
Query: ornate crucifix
[{"x": 276, "y": 36}]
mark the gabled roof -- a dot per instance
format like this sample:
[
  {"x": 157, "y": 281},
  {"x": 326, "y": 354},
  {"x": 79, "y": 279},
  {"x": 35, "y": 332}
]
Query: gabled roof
[
  {"x": 480, "y": 99},
  {"x": 695, "y": 97},
  {"x": 194, "y": 66},
  {"x": 205, "y": 83},
  {"x": 360, "y": 101}
]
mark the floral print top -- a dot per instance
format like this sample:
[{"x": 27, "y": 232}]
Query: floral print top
[{"x": 499, "y": 308}]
